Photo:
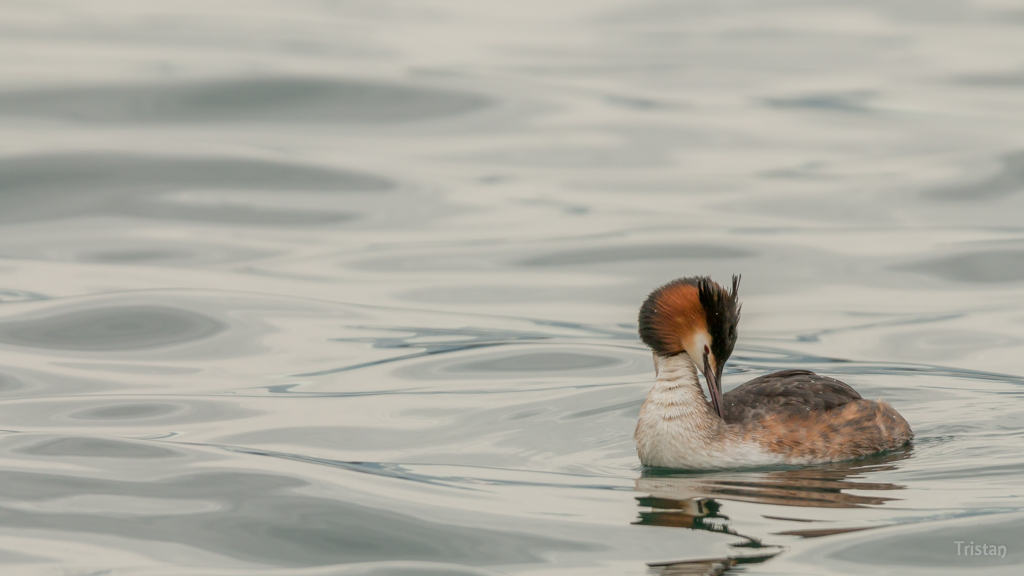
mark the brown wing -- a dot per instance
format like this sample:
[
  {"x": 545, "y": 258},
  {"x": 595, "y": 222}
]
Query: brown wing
[{"x": 790, "y": 392}]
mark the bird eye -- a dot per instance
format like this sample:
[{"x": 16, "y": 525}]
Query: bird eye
[{"x": 707, "y": 350}]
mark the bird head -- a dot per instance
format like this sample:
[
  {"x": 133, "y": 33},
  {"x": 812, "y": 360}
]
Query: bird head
[{"x": 694, "y": 316}]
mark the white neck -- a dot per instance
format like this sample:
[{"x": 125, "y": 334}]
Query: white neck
[
  {"x": 675, "y": 418},
  {"x": 677, "y": 385}
]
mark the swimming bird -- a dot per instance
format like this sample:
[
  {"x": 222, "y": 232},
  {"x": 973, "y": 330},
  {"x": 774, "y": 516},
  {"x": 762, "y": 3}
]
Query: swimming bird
[{"x": 792, "y": 417}]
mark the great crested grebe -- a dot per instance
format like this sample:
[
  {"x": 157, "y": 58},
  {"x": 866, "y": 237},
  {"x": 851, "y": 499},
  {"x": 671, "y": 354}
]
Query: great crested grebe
[{"x": 788, "y": 417}]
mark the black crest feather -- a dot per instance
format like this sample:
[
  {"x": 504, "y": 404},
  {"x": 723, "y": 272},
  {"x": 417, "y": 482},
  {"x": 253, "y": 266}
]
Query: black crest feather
[{"x": 722, "y": 310}]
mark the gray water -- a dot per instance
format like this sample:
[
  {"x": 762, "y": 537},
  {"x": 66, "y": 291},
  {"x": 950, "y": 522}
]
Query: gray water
[{"x": 337, "y": 288}]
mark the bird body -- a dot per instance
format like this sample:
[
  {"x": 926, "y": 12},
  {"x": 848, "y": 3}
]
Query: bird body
[{"x": 793, "y": 417}]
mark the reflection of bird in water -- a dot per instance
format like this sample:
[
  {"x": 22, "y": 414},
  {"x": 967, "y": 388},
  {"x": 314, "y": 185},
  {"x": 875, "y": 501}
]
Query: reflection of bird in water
[
  {"x": 701, "y": 514},
  {"x": 695, "y": 502},
  {"x": 789, "y": 417},
  {"x": 820, "y": 486}
]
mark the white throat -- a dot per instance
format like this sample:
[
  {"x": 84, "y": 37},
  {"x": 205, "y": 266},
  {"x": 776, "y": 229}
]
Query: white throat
[
  {"x": 677, "y": 385},
  {"x": 676, "y": 419}
]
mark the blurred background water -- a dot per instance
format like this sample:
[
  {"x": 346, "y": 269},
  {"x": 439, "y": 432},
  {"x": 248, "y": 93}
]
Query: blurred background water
[{"x": 332, "y": 288}]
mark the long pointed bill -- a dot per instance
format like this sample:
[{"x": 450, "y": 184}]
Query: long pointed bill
[{"x": 714, "y": 387}]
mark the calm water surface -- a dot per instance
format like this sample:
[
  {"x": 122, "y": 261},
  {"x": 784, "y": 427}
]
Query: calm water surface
[{"x": 349, "y": 288}]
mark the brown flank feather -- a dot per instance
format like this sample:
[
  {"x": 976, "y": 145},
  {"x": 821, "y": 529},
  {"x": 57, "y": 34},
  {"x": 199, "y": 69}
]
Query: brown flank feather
[
  {"x": 804, "y": 415},
  {"x": 856, "y": 429}
]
